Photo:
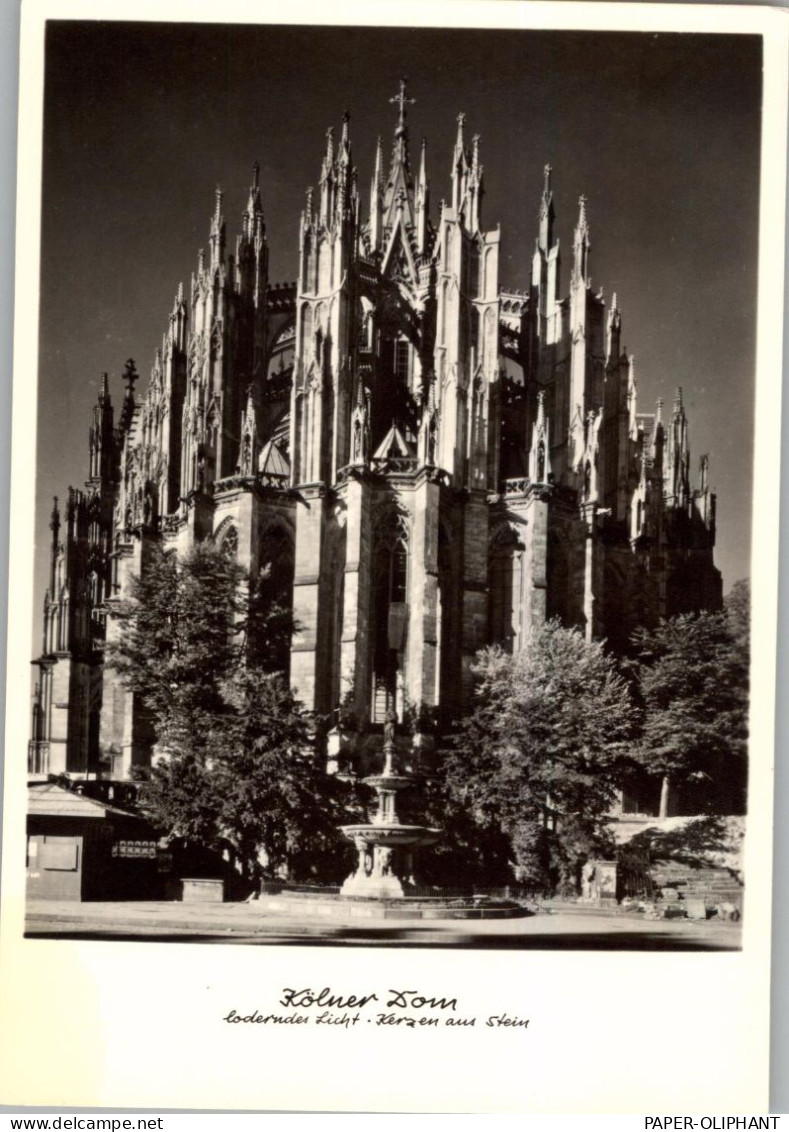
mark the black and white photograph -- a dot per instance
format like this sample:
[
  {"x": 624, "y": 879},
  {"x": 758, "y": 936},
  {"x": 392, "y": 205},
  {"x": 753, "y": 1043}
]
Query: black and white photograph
[{"x": 394, "y": 508}]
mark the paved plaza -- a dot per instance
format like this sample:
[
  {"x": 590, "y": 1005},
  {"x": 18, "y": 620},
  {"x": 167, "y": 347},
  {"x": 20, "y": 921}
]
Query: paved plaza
[{"x": 560, "y": 929}]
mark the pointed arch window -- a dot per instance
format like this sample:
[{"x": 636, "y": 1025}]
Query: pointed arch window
[
  {"x": 390, "y": 619},
  {"x": 229, "y": 543},
  {"x": 402, "y": 360},
  {"x": 505, "y": 565}
]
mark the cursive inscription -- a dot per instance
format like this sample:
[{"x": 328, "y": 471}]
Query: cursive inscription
[
  {"x": 402, "y": 999},
  {"x": 406, "y": 1009},
  {"x": 307, "y": 997}
]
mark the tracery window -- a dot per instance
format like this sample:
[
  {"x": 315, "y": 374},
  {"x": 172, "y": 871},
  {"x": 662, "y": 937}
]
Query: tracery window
[
  {"x": 390, "y": 618},
  {"x": 505, "y": 564},
  {"x": 402, "y": 359},
  {"x": 229, "y": 543}
]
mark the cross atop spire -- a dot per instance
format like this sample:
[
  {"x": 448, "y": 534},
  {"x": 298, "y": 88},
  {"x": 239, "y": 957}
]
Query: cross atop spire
[
  {"x": 399, "y": 183},
  {"x": 546, "y": 179},
  {"x": 402, "y": 100}
]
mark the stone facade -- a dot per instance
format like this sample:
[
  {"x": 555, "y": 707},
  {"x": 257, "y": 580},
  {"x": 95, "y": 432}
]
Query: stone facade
[{"x": 426, "y": 461}]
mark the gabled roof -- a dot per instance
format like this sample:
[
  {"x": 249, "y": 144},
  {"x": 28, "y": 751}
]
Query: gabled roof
[
  {"x": 273, "y": 461},
  {"x": 399, "y": 238},
  {"x": 47, "y": 799},
  {"x": 393, "y": 444}
]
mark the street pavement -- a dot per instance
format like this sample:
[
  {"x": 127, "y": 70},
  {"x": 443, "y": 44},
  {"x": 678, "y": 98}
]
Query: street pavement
[{"x": 247, "y": 923}]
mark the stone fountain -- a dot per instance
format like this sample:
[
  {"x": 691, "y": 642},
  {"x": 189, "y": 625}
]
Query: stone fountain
[{"x": 386, "y": 845}]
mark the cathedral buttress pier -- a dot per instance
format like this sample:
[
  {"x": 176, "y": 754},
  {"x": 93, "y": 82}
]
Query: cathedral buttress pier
[{"x": 391, "y": 424}]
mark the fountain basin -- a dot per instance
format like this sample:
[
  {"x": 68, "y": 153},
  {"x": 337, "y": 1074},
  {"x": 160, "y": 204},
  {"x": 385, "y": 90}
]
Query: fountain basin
[
  {"x": 388, "y": 781},
  {"x": 392, "y": 834}
]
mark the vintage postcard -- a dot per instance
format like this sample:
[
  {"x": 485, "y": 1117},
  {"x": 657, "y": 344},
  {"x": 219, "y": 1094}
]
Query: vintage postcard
[{"x": 396, "y": 440}]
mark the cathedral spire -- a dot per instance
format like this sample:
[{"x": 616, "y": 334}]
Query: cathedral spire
[
  {"x": 377, "y": 198},
  {"x": 547, "y": 213},
  {"x": 539, "y": 453},
  {"x": 177, "y": 330},
  {"x": 247, "y": 452},
  {"x": 345, "y": 141},
  {"x": 253, "y": 214},
  {"x": 54, "y": 519},
  {"x": 678, "y": 458},
  {"x": 460, "y": 166},
  {"x": 346, "y": 180},
  {"x": 400, "y": 185},
  {"x": 422, "y": 182},
  {"x": 378, "y": 173},
  {"x": 328, "y": 160},
  {"x": 613, "y": 331},
  {"x": 460, "y": 155},
  {"x": 54, "y": 526},
  {"x": 217, "y": 237},
  {"x": 251, "y": 249},
  {"x": 475, "y": 186},
  {"x": 130, "y": 375},
  {"x": 632, "y": 398},
  {"x": 581, "y": 245},
  {"x": 422, "y": 200},
  {"x": 328, "y": 181}
]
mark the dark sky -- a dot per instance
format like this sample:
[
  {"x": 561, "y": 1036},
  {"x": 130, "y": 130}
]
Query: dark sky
[{"x": 660, "y": 131}]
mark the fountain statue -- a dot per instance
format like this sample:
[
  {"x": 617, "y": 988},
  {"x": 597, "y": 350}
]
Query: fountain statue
[{"x": 386, "y": 846}]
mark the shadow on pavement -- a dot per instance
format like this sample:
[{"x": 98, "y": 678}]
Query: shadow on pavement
[{"x": 410, "y": 937}]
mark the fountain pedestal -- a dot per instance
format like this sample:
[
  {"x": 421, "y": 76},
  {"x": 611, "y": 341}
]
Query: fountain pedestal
[{"x": 385, "y": 845}]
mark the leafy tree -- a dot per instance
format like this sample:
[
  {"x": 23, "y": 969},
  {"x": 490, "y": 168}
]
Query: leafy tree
[
  {"x": 737, "y": 604},
  {"x": 182, "y": 633},
  {"x": 693, "y": 680},
  {"x": 283, "y": 809},
  {"x": 544, "y": 747},
  {"x": 239, "y": 763},
  {"x": 472, "y": 852}
]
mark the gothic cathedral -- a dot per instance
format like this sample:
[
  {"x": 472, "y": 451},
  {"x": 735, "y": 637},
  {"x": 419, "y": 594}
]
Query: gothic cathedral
[{"x": 425, "y": 461}]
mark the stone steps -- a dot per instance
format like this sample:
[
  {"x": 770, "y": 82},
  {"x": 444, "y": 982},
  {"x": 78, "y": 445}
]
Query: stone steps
[{"x": 708, "y": 883}]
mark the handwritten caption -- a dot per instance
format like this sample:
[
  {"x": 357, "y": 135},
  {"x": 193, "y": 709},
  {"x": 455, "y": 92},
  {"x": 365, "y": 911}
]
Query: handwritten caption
[{"x": 407, "y": 1009}]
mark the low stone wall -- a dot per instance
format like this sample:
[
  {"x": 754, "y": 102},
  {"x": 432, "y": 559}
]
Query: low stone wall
[{"x": 339, "y": 907}]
